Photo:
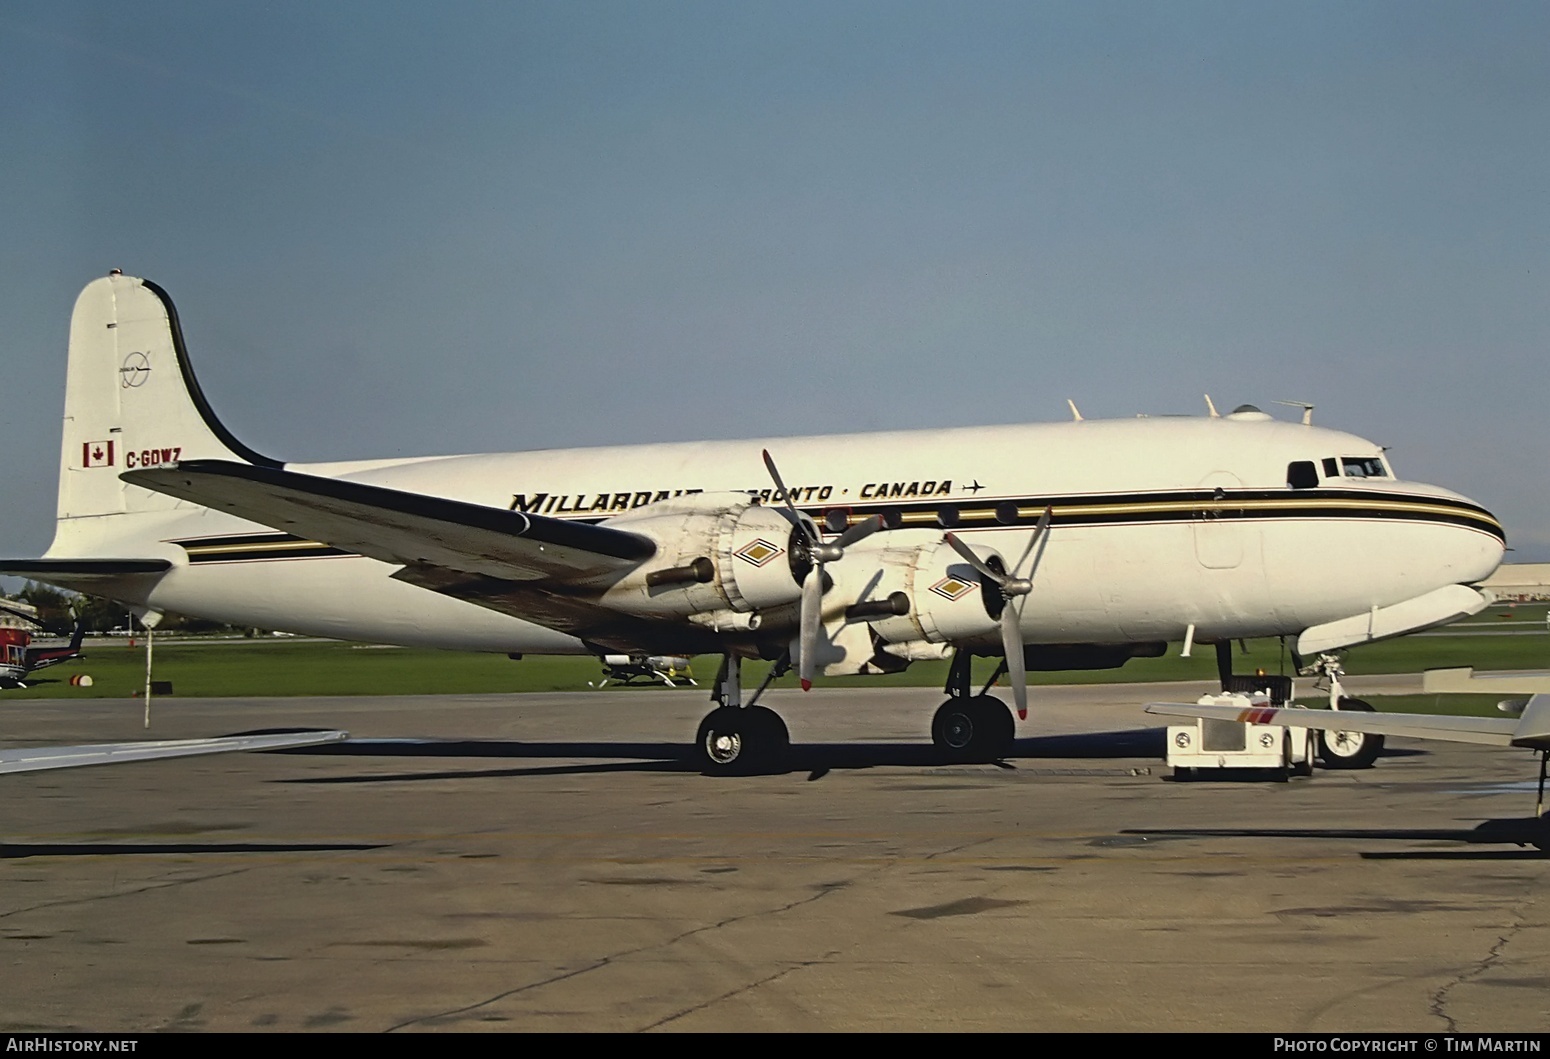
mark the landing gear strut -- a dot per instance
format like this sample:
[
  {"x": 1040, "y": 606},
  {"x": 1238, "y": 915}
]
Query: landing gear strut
[
  {"x": 1344, "y": 750},
  {"x": 735, "y": 739},
  {"x": 969, "y": 727}
]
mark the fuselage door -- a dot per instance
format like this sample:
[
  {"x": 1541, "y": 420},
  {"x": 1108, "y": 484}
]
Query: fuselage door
[{"x": 1221, "y": 534}]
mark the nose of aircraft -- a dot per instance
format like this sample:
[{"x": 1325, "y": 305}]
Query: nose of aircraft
[{"x": 1475, "y": 549}]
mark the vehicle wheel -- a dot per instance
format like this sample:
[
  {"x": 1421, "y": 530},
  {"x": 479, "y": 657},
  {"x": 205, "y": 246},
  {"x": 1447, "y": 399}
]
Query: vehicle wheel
[
  {"x": 977, "y": 729},
  {"x": 736, "y": 741},
  {"x": 1350, "y": 750}
]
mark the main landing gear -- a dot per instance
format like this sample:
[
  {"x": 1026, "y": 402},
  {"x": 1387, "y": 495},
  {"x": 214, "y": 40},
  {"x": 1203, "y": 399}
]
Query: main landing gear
[
  {"x": 735, "y": 739},
  {"x": 969, "y": 727}
]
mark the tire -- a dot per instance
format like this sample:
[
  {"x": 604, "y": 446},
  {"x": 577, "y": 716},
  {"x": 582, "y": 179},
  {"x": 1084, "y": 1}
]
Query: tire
[
  {"x": 1350, "y": 750},
  {"x": 972, "y": 730},
  {"x": 734, "y": 741},
  {"x": 1297, "y": 768}
]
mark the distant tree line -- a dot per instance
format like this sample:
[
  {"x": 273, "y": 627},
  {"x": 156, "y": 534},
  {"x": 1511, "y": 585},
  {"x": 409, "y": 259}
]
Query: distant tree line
[{"x": 59, "y": 610}]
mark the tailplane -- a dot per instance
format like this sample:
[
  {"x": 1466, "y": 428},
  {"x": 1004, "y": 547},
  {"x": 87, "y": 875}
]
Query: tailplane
[{"x": 131, "y": 401}]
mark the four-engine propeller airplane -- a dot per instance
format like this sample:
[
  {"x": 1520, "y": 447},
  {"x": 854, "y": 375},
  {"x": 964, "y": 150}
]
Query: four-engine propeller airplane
[{"x": 1054, "y": 546}]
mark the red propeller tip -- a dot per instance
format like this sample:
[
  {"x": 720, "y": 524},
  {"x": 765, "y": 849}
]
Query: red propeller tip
[
  {"x": 807, "y": 685},
  {"x": 1022, "y": 715}
]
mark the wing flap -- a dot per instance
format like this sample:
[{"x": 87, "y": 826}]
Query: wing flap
[
  {"x": 399, "y": 527},
  {"x": 1492, "y": 731}
]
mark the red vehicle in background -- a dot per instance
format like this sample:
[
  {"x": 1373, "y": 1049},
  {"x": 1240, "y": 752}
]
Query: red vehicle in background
[{"x": 19, "y": 659}]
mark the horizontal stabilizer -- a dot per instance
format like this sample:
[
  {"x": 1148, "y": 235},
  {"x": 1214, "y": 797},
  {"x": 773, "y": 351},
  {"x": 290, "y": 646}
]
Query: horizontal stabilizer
[
  {"x": 81, "y": 568},
  {"x": 92, "y": 576},
  {"x": 1493, "y": 731},
  {"x": 35, "y": 759},
  {"x": 399, "y": 527}
]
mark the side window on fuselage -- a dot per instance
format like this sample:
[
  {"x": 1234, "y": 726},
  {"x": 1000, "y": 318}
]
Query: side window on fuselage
[{"x": 1301, "y": 474}]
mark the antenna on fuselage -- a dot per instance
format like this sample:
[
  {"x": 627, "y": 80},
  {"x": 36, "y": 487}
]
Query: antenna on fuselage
[
  {"x": 1307, "y": 410},
  {"x": 1076, "y": 417},
  {"x": 1211, "y": 407}
]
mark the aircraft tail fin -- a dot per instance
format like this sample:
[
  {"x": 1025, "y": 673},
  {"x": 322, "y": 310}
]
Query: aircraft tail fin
[
  {"x": 131, "y": 401},
  {"x": 1534, "y": 724}
]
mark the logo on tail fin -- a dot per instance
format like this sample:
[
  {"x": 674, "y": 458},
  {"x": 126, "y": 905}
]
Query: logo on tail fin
[{"x": 136, "y": 369}]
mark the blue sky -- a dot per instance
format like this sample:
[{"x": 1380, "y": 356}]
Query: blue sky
[{"x": 397, "y": 229}]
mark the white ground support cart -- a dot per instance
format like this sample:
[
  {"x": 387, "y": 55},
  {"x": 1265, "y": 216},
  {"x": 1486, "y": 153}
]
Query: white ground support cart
[{"x": 1274, "y": 749}]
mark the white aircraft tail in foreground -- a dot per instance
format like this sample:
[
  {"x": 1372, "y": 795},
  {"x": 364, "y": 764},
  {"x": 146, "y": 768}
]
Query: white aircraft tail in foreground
[
  {"x": 38, "y": 758},
  {"x": 1073, "y": 545}
]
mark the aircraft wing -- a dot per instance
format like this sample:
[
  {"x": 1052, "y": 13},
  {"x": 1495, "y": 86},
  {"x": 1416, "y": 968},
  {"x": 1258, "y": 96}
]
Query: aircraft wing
[
  {"x": 34, "y": 759},
  {"x": 1529, "y": 730},
  {"x": 408, "y": 529}
]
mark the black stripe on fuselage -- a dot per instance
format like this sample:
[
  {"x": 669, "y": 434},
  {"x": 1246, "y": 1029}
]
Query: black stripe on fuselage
[
  {"x": 1193, "y": 505},
  {"x": 1112, "y": 509}
]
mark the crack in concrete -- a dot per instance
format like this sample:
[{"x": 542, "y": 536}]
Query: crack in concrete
[
  {"x": 149, "y": 887},
  {"x": 1494, "y": 953},
  {"x": 742, "y": 989},
  {"x": 605, "y": 961}
]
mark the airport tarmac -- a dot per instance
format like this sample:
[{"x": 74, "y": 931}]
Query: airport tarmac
[{"x": 551, "y": 862}]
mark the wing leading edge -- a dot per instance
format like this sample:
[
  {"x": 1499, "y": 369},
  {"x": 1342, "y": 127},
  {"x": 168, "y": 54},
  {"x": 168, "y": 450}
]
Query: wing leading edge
[{"x": 409, "y": 529}]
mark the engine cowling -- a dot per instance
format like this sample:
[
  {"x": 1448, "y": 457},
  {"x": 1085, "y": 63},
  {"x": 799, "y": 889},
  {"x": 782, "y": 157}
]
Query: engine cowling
[
  {"x": 721, "y": 559},
  {"x": 947, "y": 603}
]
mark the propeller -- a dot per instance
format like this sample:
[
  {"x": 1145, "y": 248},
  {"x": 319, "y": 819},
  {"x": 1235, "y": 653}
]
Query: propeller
[
  {"x": 818, "y": 554},
  {"x": 1012, "y": 585}
]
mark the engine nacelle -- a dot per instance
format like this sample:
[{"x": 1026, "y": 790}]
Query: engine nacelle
[
  {"x": 717, "y": 553},
  {"x": 947, "y": 603}
]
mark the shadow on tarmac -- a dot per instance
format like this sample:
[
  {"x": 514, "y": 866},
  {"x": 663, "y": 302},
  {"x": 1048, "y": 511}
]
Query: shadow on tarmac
[
  {"x": 816, "y": 759},
  {"x": 1520, "y": 831},
  {"x": 18, "y": 850}
]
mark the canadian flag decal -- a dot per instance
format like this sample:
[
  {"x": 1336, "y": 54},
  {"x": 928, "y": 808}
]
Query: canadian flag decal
[{"x": 97, "y": 454}]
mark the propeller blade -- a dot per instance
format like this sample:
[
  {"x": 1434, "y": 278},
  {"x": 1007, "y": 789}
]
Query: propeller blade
[
  {"x": 1016, "y": 667},
  {"x": 860, "y": 531},
  {"x": 968, "y": 556},
  {"x": 1033, "y": 541},
  {"x": 785, "y": 496},
  {"x": 812, "y": 611}
]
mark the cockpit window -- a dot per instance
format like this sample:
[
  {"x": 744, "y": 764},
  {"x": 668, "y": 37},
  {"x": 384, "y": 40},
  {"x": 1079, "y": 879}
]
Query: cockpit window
[
  {"x": 1331, "y": 467},
  {"x": 1363, "y": 467},
  {"x": 1302, "y": 475}
]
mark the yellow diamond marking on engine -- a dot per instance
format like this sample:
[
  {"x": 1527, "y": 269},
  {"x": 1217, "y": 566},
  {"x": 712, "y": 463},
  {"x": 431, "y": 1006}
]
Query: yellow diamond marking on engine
[{"x": 758, "y": 552}]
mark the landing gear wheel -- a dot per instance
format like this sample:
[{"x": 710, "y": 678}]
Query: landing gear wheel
[
  {"x": 1350, "y": 750},
  {"x": 734, "y": 740},
  {"x": 975, "y": 729}
]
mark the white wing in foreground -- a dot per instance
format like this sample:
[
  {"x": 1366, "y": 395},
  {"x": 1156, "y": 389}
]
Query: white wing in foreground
[
  {"x": 33, "y": 759},
  {"x": 1532, "y": 729}
]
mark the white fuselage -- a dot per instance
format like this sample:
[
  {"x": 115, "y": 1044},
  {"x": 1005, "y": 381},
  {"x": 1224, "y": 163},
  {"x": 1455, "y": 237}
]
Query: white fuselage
[{"x": 1158, "y": 524}]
